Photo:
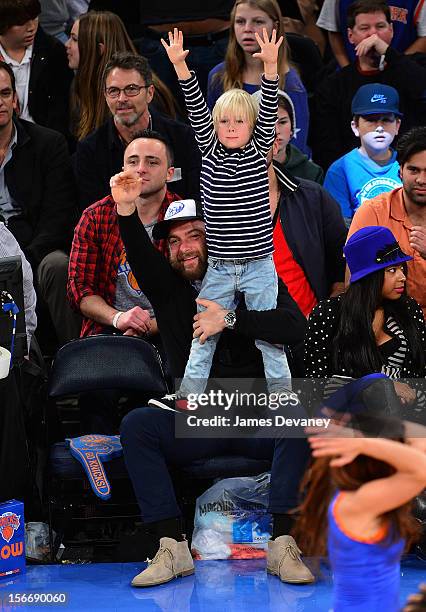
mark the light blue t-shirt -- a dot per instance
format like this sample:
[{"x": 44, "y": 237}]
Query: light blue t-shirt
[{"x": 353, "y": 178}]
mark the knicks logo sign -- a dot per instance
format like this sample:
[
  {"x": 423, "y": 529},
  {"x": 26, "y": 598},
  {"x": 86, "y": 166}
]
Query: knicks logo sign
[
  {"x": 124, "y": 268},
  {"x": 9, "y": 523}
]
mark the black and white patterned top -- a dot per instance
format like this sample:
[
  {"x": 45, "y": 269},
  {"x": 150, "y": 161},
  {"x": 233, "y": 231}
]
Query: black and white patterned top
[
  {"x": 234, "y": 182},
  {"x": 396, "y": 353}
]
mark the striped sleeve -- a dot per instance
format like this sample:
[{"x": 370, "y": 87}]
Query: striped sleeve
[
  {"x": 198, "y": 113},
  {"x": 264, "y": 131}
]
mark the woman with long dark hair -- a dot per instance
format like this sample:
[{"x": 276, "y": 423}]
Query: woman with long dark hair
[
  {"x": 374, "y": 326},
  {"x": 358, "y": 506},
  {"x": 241, "y": 70}
]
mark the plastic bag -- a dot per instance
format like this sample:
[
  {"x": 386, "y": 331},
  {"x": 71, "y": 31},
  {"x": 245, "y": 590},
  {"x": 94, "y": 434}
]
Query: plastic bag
[
  {"x": 37, "y": 541},
  {"x": 231, "y": 519}
]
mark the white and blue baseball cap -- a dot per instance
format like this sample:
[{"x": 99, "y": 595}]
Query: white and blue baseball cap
[
  {"x": 376, "y": 99},
  {"x": 179, "y": 210}
]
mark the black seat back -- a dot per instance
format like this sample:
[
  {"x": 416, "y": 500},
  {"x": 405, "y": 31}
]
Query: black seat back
[{"x": 105, "y": 362}]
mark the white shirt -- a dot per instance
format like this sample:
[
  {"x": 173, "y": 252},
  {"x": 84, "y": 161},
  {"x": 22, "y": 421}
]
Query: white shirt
[
  {"x": 8, "y": 248},
  {"x": 329, "y": 18},
  {"x": 21, "y": 71}
]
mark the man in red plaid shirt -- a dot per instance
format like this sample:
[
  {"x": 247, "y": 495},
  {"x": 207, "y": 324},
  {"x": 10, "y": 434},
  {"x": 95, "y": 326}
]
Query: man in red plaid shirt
[{"x": 101, "y": 284}]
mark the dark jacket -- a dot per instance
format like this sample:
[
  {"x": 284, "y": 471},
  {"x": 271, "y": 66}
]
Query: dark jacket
[
  {"x": 49, "y": 86},
  {"x": 173, "y": 300},
  {"x": 314, "y": 230},
  {"x": 300, "y": 166},
  {"x": 100, "y": 156},
  {"x": 39, "y": 178},
  {"x": 331, "y": 131}
]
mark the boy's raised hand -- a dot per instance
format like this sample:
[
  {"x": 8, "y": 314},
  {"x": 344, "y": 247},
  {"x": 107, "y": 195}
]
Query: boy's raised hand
[
  {"x": 268, "y": 48},
  {"x": 175, "y": 47}
]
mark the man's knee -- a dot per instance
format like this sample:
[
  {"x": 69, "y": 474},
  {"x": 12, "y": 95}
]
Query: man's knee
[
  {"x": 53, "y": 271},
  {"x": 139, "y": 423}
]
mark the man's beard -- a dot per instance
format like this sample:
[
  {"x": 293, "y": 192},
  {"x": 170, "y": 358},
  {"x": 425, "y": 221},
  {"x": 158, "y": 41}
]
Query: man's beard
[
  {"x": 418, "y": 200},
  {"x": 127, "y": 121},
  {"x": 196, "y": 273}
]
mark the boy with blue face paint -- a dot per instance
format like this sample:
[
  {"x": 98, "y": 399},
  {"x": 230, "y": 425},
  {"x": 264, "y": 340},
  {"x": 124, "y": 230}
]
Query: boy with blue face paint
[{"x": 371, "y": 169}]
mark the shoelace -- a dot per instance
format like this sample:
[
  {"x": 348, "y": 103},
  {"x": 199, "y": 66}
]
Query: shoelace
[
  {"x": 158, "y": 556},
  {"x": 293, "y": 552}
]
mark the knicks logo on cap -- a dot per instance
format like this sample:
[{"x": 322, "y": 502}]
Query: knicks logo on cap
[
  {"x": 379, "y": 98},
  {"x": 174, "y": 209},
  {"x": 9, "y": 523}
]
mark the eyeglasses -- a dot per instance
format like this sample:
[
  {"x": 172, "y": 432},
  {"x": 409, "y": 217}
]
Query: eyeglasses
[
  {"x": 130, "y": 91},
  {"x": 6, "y": 94}
]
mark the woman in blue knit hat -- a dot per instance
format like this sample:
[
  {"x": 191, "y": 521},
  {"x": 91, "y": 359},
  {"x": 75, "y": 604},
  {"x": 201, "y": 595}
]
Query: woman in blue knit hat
[
  {"x": 374, "y": 326},
  {"x": 359, "y": 489}
]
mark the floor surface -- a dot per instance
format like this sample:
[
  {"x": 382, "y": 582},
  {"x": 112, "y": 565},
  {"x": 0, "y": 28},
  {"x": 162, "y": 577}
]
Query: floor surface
[{"x": 230, "y": 586}]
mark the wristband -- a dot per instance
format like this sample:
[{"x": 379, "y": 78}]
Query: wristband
[{"x": 115, "y": 319}]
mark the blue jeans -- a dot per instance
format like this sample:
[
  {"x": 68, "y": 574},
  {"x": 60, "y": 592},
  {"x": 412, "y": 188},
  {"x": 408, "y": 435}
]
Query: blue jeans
[{"x": 257, "y": 280}]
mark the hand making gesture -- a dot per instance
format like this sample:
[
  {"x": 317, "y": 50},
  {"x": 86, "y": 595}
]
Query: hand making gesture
[
  {"x": 125, "y": 188},
  {"x": 269, "y": 52},
  {"x": 176, "y": 53}
]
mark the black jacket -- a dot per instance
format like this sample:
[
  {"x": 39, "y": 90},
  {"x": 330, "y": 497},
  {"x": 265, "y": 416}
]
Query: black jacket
[
  {"x": 332, "y": 135},
  {"x": 173, "y": 300},
  {"x": 99, "y": 156},
  {"x": 314, "y": 230},
  {"x": 39, "y": 178},
  {"x": 49, "y": 86}
]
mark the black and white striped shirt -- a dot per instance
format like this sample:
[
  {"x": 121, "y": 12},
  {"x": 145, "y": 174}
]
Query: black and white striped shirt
[{"x": 234, "y": 182}]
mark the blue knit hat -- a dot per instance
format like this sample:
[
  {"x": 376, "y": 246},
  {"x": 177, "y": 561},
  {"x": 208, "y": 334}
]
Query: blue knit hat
[{"x": 370, "y": 249}]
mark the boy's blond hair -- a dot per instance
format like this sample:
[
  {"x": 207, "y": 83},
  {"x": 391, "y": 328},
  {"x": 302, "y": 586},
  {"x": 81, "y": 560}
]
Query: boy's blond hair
[{"x": 238, "y": 104}]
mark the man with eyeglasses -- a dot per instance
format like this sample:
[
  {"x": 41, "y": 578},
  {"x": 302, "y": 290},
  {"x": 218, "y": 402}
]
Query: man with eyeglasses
[
  {"x": 128, "y": 92},
  {"x": 37, "y": 198},
  {"x": 370, "y": 169}
]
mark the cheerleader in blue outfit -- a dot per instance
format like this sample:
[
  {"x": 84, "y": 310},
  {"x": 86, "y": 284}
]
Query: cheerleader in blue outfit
[{"x": 358, "y": 502}]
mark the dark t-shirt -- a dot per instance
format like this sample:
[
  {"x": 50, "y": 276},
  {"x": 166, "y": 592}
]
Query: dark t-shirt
[
  {"x": 136, "y": 13},
  {"x": 166, "y": 11}
]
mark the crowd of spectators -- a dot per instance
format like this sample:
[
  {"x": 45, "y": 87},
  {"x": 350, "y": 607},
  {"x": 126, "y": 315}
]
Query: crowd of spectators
[{"x": 86, "y": 91}]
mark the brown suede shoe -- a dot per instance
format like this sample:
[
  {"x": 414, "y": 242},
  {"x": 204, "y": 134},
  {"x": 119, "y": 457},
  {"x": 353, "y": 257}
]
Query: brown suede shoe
[
  {"x": 173, "y": 559},
  {"x": 284, "y": 561}
]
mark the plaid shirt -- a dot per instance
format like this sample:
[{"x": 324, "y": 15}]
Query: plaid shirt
[{"x": 95, "y": 254}]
